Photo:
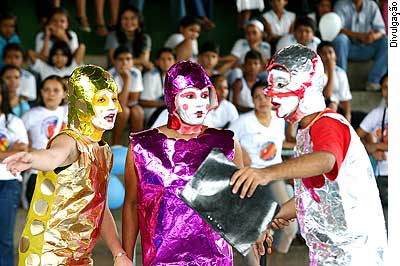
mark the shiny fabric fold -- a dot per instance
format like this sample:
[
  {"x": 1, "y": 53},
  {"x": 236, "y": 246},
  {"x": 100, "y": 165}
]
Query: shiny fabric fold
[
  {"x": 342, "y": 219},
  {"x": 171, "y": 232},
  {"x": 66, "y": 212},
  {"x": 239, "y": 221}
]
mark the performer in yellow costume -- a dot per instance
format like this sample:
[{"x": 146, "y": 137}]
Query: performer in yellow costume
[{"x": 69, "y": 209}]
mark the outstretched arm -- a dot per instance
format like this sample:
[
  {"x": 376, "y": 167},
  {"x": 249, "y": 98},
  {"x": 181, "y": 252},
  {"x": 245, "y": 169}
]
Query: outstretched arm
[
  {"x": 62, "y": 152},
  {"x": 308, "y": 165},
  {"x": 130, "y": 226}
]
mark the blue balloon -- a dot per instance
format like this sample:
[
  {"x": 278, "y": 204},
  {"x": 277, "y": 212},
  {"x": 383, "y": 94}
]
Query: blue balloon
[
  {"x": 119, "y": 153},
  {"x": 115, "y": 192}
]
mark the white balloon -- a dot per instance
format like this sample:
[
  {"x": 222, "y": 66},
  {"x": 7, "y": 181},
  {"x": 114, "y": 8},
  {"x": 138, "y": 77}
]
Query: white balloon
[{"x": 329, "y": 26}]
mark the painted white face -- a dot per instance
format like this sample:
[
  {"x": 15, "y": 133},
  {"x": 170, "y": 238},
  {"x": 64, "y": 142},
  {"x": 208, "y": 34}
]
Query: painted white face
[
  {"x": 279, "y": 89},
  {"x": 106, "y": 107},
  {"x": 193, "y": 105}
]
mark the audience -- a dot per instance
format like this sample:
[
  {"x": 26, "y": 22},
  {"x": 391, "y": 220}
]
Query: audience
[
  {"x": 60, "y": 62},
  {"x": 241, "y": 92},
  {"x": 208, "y": 57},
  {"x": 152, "y": 97},
  {"x": 278, "y": 22},
  {"x": 184, "y": 43},
  {"x": 130, "y": 85},
  {"x": 8, "y": 33},
  {"x": 57, "y": 29},
  {"x": 11, "y": 76},
  {"x": 337, "y": 90},
  {"x": 362, "y": 38},
  {"x": 129, "y": 32},
  {"x": 304, "y": 33},
  {"x": 13, "y": 54}
]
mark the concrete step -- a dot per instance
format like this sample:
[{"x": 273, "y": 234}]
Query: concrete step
[{"x": 365, "y": 101}]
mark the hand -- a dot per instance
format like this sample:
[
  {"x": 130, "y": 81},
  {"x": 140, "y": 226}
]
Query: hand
[
  {"x": 18, "y": 162},
  {"x": 379, "y": 155},
  {"x": 279, "y": 223},
  {"x": 258, "y": 247},
  {"x": 19, "y": 146},
  {"x": 125, "y": 75},
  {"x": 122, "y": 261},
  {"x": 250, "y": 178}
]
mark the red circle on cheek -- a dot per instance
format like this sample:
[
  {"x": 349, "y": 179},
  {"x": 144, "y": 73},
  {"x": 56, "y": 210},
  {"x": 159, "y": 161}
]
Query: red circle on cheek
[
  {"x": 185, "y": 107},
  {"x": 207, "y": 106}
]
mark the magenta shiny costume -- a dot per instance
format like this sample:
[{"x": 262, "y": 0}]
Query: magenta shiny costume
[{"x": 171, "y": 232}]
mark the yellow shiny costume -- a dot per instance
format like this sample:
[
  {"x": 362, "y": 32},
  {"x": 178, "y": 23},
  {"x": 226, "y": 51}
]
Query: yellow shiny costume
[{"x": 66, "y": 212}]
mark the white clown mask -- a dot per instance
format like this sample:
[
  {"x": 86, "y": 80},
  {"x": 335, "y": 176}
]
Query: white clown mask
[
  {"x": 193, "y": 105},
  {"x": 295, "y": 82}
]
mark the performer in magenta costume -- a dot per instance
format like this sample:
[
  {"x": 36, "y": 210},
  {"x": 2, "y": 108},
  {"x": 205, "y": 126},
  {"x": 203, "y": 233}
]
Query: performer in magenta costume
[{"x": 160, "y": 163}]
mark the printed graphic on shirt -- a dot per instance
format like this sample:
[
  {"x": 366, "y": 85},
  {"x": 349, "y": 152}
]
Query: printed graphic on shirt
[
  {"x": 268, "y": 151},
  {"x": 4, "y": 143},
  {"x": 49, "y": 125},
  {"x": 378, "y": 133}
]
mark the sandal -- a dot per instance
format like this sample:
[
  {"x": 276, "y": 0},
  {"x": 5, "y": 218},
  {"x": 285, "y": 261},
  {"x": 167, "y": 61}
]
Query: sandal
[
  {"x": 101, "y": 30},
  {"x": 84, "y": 24}
]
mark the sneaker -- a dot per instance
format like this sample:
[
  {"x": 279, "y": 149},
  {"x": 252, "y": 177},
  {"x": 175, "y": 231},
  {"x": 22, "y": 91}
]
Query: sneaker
[{"x": 372, "y": 86}]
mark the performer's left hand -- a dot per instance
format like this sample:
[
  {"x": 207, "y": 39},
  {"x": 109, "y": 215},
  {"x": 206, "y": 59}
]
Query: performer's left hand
[
  {"x": 258, "y": 247},
  {"x": 250, "y": 178}
]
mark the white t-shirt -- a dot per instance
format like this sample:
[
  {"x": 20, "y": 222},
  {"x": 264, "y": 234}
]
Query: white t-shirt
[
  {"x": 27, "y": 87},
  {"x": 73, "y": 42},
  {"x": 281, "y": 26},
  {"x": 176, "y": 38},
  {"x": 136, "y": 81},
  {"x": 372, "y": 123},
  {"x": 153, "y": 84},
  {"x": 46, "y": 70},
  {"x": 217, "y": 118},
  {"x": 14, "y": 132},
  {"x": 43, "y": 124},
  {"x": 241, "y": 47},
  {"x": 245, "y": 98},
  {"x": 249, "y": 5},
  {"x": 263, "y": 144},
  {"x": 289, "y": 39},
  {"x": 341, "y": 88}
]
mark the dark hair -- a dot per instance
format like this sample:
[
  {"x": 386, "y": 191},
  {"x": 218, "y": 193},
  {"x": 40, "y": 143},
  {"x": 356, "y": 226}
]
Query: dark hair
[
  {"x": 5, "y": 101},
  {"x": 51, "y": 77},
  {"x": 383, "y": 78},
  {"x": 64, "y": 47},
  {"x": 322, "y": 44},
  {"x": 190, "y": 20},
  {"x": 60, "y": 10},
  {"x": 13, "y": 47},
  {"x": 139, "y": 38},
  {"x": 9, "y": 67},
  {"x": 305, "y": 21},
  {"x": 253, "y": 54},
  {"x": 215, "y": 77},
  {"x": 120, "y": 50},
  {"x": 9, "y": 15},
  {"x": 165, "y": 50},
  {"x": 257, "y": 85},
  {"x": 209, "y": 47}
]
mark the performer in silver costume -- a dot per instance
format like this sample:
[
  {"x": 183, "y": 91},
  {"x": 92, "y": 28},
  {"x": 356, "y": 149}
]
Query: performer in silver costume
[{"x": 336, "y": 198}]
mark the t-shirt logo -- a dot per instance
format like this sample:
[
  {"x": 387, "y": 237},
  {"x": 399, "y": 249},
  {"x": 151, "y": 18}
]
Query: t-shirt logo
[
  {"x": 385, "y": 134},
  {"x": 4, "y": 143},
  {"x": 49, "y": 125},
  {"x": 268, "y": 151}
]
